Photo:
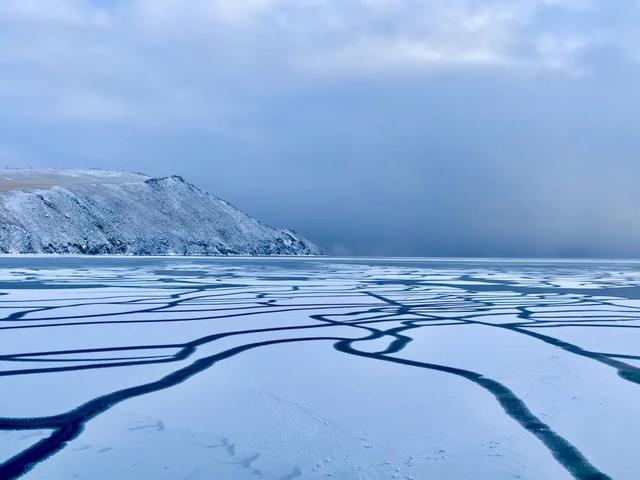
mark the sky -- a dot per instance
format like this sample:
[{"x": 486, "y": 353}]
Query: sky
[{"x": 503, "y": 128}]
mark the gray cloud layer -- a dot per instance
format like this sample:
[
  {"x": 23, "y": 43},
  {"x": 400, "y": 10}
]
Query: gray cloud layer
[{"x": 373, "y": 126}]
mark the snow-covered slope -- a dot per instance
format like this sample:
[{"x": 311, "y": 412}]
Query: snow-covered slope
[{"x": 105, "y": 212}]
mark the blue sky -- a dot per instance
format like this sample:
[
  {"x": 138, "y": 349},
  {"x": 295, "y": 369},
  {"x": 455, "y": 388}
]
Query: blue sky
[{"x": 383, "y": 127}]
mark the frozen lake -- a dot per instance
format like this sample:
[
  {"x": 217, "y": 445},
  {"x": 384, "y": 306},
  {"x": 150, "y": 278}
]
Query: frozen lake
[{"x": 249, "y": 368}]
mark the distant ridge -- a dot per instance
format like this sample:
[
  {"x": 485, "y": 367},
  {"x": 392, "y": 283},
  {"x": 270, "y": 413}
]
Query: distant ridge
[{"x": 88, "y": 211}]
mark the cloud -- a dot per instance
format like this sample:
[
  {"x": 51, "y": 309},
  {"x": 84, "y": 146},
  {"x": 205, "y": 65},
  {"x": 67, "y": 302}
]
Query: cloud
[{"x": 113, "y": 59}]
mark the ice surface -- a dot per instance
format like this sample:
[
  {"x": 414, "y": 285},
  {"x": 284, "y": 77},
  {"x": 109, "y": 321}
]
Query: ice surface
[{"x": 314, "y": 368}]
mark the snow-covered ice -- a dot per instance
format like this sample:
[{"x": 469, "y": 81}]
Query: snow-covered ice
[{"x": 244, "y": 368}]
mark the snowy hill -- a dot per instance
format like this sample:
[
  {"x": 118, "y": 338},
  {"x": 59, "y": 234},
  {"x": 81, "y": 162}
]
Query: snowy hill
[{"x": 106, "y": 212}]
